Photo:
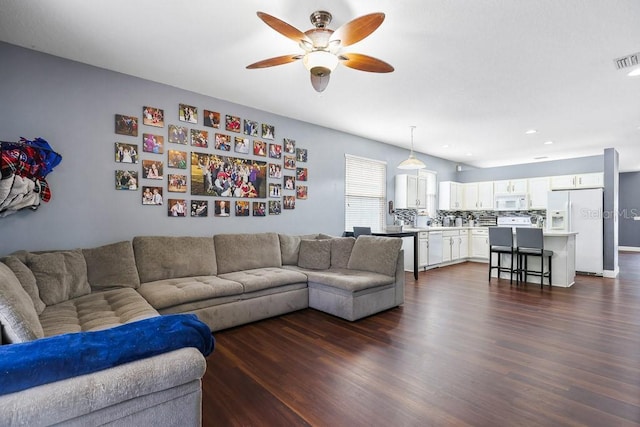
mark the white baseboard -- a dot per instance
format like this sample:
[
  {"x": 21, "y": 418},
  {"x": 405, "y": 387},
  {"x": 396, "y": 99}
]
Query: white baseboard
[
  {"x": 611, "y": 274},
  {"x": 629, "y": 248}
]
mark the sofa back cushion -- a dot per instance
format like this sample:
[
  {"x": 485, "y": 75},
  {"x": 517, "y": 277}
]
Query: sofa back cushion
[
  {"x": 27, "y": 279},
  {"x": 290, "y": 247},
  {"x": 17, "y": 314},
  {"x": 341, "y": 248},
  {"x": 376, "y": 254},
  {"x": 60, "y": 275},
  {"x": 237, "y": 252},
  {"x": 160, "y": 257},
  {"x": 315, "y": 254},
  {"x": 111, "y": 266}
]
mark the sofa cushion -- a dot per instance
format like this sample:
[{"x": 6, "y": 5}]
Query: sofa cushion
[
  {"x": 160, "y": 257},
  {"x": 111, "y": 266},
  {"x": 60, "y": 275},
  {"x": 315, "y": 254},
  {"x": 27, "y": 279},
  {"x": 375, "y": 253},
  {"x": 99, "y": 310},
  {"x": 341, "y": 248},
  {"x": 166, "y": 293},
  {"x": 237, "y": 252},
  {"x": 290, "y": 247},
  {"x": 17, "y": 314},
  {"x": 263, "y": 278},
  {"x": 349, "y": 280}
]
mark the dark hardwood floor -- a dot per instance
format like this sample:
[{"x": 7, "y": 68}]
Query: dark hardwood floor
[{"x": 460, "y": 351}]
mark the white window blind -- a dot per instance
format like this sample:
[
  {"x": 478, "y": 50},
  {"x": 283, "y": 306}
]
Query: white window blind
[
  {"x": 431, "y": 191},
  {"x": 365, "y": 193}
]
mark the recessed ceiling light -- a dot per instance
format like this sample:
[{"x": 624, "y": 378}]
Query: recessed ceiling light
[
  {"x": 548, "y": 142},
  {"x": 540, "y": 157},
  {"x": 531, "y": 132},
  {"x": 445, "y": 146},
  {"x": 468, "y": 154},
  {"x": 634, "y": 73}
]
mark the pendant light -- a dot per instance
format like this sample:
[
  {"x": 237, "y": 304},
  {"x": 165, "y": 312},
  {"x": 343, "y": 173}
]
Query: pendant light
[{"x": 412, "y": 162}]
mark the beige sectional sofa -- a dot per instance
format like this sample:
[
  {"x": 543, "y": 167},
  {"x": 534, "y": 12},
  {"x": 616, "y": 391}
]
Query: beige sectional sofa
[{"x": 225, "y": 280}]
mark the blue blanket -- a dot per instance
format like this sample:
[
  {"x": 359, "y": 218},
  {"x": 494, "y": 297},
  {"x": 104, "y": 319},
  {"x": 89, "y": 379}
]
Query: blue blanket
[{"x": 52, "y": 359}]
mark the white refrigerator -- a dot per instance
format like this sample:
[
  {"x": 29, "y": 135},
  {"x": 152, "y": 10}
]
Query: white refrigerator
[{"x": 580, "y": 211}]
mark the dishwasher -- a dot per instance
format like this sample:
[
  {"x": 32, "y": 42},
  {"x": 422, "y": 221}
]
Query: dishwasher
[{"x": 435, "y": 247}]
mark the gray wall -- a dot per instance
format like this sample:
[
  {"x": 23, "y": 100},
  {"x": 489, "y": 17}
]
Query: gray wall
[
  {"x": 72, "y": 106},
  {"x": 629, "y": 205},
  {"x": 532, "y": 170}
]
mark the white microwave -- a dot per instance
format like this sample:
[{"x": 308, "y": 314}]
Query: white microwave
[{"x": 511, "y": 202}]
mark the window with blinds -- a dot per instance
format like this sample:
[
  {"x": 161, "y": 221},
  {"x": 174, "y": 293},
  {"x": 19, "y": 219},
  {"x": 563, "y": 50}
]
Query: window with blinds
[{"x": 365, "y": 193}]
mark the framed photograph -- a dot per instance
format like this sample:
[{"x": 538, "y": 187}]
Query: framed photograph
[
  {"x": 152, "y": 169},
  {"x": 223, "y": 176},
  {"x": 178, "y": 134},
  {"x": 152, "y": 143},
  {"x": 177, "y": 159},
  {"x": 275, "y": 151},
  {"x": 199, "y": 138},
  {"x": 259, "y": 148},
  {"x": 152, "y": 116},
  {"x": 301, "y": 155},
  {"x": 275, "y": 190},
  {"x": 289, "y": 146},
  {"x": 251, "y": 128},
  {"x": 199, "y": 208},
  {"x": 268, "y": 131},
  {"x": 259, "y": 209},
  {"x": 289, "y": 162},
  {"x": 242, "y": 208},
  {"x": 188, "y": 113},
  {"x": 289, "y": 202},
  {"x": 289, "y": 182},
  {"x": 275, "y": 207},
  {"x": 221, "y": 208},
  {"x": 177, "y": 207},
  {"x": 126, "y": 180},
  {"x": 275, "y": 170},
  {"x": 126, "y": 125},
  {"x": 222, "y": 142},
  {"x": 126, "y": 153},
  {"x": 177, "y": 183},
  {"x": 212, "y": 119},
  {"x": 241, "y": 145},
  {"x": 301, "y": 174},
  {"x": 232, "y": 123},
  {"x": 301, "y": 192},
  {"x": 151, "y": 195}
]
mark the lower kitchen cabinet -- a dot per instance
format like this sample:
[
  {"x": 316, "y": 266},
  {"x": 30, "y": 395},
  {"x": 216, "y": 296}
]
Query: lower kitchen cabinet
[
  {"x": 423, "y": 249},
  {"x": 480, "y": 243}
]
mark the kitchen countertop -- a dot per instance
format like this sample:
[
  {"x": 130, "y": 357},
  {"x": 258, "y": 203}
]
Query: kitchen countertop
[{"x": 557, "y": 233}]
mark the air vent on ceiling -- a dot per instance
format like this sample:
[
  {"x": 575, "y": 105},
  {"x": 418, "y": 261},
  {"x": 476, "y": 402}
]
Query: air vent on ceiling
[{"x": 627, "y": 61}]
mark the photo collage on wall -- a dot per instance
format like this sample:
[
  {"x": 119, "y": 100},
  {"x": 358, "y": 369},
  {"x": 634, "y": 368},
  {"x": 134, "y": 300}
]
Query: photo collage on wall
[{"x": 238, "y": 168}]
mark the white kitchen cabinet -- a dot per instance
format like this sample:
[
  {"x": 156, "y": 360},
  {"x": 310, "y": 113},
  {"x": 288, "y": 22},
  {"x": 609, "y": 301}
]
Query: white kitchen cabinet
[
  {"x": 515, "y": 186},
  {"x": 446, "y": 248},
  {"x": 410, "y": 192},
  {"x": 451, "y": 245},
  {"x": 584, "y": 180},
  {"x": 463, "y": 242},
  {"x": 423, "y": 249},
  {"x": 480, "y": 243},
  {"x": 450, "y": 196},
  {"x": 478, "y": 195},
  {"x": 538, "y": 189}
]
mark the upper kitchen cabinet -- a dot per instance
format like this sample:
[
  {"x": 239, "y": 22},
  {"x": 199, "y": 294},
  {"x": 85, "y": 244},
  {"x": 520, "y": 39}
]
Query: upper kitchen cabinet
[
  {"x": 478, "y": 195},
  {"x": 515, "y": 186},
  {"x": 411, "y": 192},
  {"x": 585, "y": 180},
  {"x": 538, "y": 189},
  {"x": 450, "y": 196}
]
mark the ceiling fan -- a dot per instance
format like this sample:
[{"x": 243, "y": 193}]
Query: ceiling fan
[{"x": 322, "y": 46}]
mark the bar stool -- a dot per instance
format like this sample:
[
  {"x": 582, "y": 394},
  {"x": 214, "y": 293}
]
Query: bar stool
[
  {"x": 501, "y": 242},
  {"x": 359, "y": 231},
  {"x": 530, "y": 242}
]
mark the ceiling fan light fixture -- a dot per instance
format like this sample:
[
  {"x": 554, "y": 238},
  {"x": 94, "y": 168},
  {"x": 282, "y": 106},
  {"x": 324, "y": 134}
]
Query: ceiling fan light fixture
[
  {"x": 320, "y": 62},
  {"x": 412, "y": 163}
]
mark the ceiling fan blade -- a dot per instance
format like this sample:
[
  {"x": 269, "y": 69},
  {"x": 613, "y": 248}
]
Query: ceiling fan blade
[
  {"x": 278, "y": 60},
  {"x": 283, "y": 28},
  {"x": 357, "y": 29},
  {"x": 318, "y": 82},
  {"x": 362, "y": 62}
]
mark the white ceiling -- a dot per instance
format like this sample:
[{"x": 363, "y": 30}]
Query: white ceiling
[{"x": 472, "y": 75}]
